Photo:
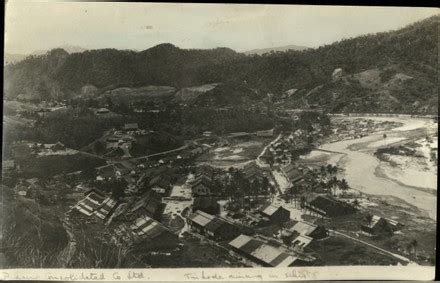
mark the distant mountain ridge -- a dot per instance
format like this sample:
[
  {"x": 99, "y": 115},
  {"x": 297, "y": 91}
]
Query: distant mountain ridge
[
  {"x": 12, "y": 58},
  {"x": 391, "y": 56},
  {"x": 67, "y": 47},
  {"x": 275, "y": 49}
]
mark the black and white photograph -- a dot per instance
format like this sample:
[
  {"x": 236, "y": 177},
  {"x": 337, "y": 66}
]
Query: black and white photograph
[{"x": 199, "y": 139}]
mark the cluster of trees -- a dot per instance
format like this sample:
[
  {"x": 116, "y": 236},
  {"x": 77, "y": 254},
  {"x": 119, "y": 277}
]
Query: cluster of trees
[
  {"x": 74, "y": 127},
  {"x": 324, "y": 178},
  {"x": 242, "y": 192}
]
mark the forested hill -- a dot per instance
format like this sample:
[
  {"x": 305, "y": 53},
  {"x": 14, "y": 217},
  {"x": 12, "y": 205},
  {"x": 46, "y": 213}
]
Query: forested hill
[{"x": 373, "y": 67}]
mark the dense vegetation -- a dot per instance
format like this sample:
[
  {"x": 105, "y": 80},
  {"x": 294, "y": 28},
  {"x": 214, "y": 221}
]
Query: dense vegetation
[{"x": 413, "y": 50}]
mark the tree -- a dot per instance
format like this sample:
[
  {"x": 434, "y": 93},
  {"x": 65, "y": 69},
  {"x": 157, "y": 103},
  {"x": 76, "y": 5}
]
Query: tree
[
  {"x": 88, "y": 172},
  {"x": 343, "y": 185},
  {"x": 99, "y": 147},
  {"x": 272, "y": 191},
  {"x": 369, "y": 219},
  {"x": 414, "y": 244},
  {"x": 118, "y": 189},
  {"x": 356, "y": 203}
]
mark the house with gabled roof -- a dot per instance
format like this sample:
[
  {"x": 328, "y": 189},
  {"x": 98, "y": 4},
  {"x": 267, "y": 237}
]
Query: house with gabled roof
[
  {"x": 131, "y": 127},
  {"x": 326, "y": 206},
  {"x": 148, "y": 204},
  {"x": 89, "y": 204},
  {"x": 381, "y": 226},
  {"x": 261, "y": 252},
  {"x": 160, "y": 184},
  {"x": 106, "y": 208},
  {"x": 276, "y": 214},
  {"x": 309, "y": 229},
  {"x": 147, "y": 231},
  {"x": 214, "y": 227},
  {"x": 292, "y": 173}
]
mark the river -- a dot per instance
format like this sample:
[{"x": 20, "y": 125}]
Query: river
[{"x": 361, "y": 166}]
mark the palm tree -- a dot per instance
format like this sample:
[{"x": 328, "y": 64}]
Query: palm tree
[
  {"x": 322, "y": 169},
  {"x": 272, "y": 191},
  {"x": 265, "y": 186},
  {"x": 414, "y": 244},
  {"x": 369, "y": 219},
  {"x": 356, "y": 203},
  {"x": 343, "y": 185}
]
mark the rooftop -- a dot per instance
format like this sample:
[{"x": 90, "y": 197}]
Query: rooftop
[{"x": 266, "y": 253}]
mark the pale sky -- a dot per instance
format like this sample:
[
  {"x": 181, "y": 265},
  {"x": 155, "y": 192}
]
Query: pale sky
[{"x": 34, "y": 25}]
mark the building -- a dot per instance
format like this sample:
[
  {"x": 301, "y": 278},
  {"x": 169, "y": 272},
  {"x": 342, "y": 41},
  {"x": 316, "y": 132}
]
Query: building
[
  {"x": 292, "y": 173},
  {"x": 337, "y": 74},
  {"x": 89, "y": 204},
  {"x": 326, "y": 206},
  {"x": 201, "y": 177},
  {"x": 131, "y": 127},
  {"x": 54, "y": 146},
  {"x": 267, "y": 133},
  {"x": 309, "y": 229},
  {"x": 202, "y": 186},
  {"x": 380, "y": 226},
  {"x": 106, "y": 208},
  {"x": 8, "y": 166},
  {"x": 301, "y": 234},
  {"x": 253, "y": 172},
  {"x": 148, "y": 204},
  {"x": 261, "y": 252},
  {"x": 211, "y": 226},
  {"x": 276, "y": 214},
  {"x": 147, "y": 231},
  {"x": 161, "y": 184},
  {"x": 102, "y": 111},
  {"x": 206, "y": 204}
]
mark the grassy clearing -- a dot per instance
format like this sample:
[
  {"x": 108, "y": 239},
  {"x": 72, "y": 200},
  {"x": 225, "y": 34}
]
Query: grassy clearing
[
  {"x": 46, "y": 166},
  {"x": 341, "y": 251}
]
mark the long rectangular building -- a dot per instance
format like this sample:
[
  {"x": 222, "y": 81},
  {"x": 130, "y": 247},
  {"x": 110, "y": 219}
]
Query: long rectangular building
[{"x": 261, "y": 252}]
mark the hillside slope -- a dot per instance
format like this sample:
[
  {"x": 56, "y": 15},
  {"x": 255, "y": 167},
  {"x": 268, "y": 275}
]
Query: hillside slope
[{"x": 411, "y": 51}]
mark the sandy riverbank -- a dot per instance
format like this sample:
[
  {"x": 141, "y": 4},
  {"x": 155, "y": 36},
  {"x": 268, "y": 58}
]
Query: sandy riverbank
[{"x": 361, "y": 166}]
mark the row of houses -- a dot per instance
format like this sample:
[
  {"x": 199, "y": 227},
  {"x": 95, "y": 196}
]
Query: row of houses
[
  {"x": 95, "y": 205},
  {"x": 130, "y": 222},
  {"x": 104, "y": 207}
]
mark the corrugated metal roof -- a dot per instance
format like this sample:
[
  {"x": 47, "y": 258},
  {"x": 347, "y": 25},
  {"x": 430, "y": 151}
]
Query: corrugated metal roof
[
  {"x": 251, "y": 246},
  {"x": 201, "y": 218},
  {"x": 266, "y": 253},
  {"x": 302, "y": 241},
  {"x": 279, "y": 259},
  {"x": 304, "y": 228},
  {"x": 262, "y": 251},
  {"x": 240, "y": 241},
  {"x": 286, "y": 262},
  {"x": 270, "y": 209}
]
